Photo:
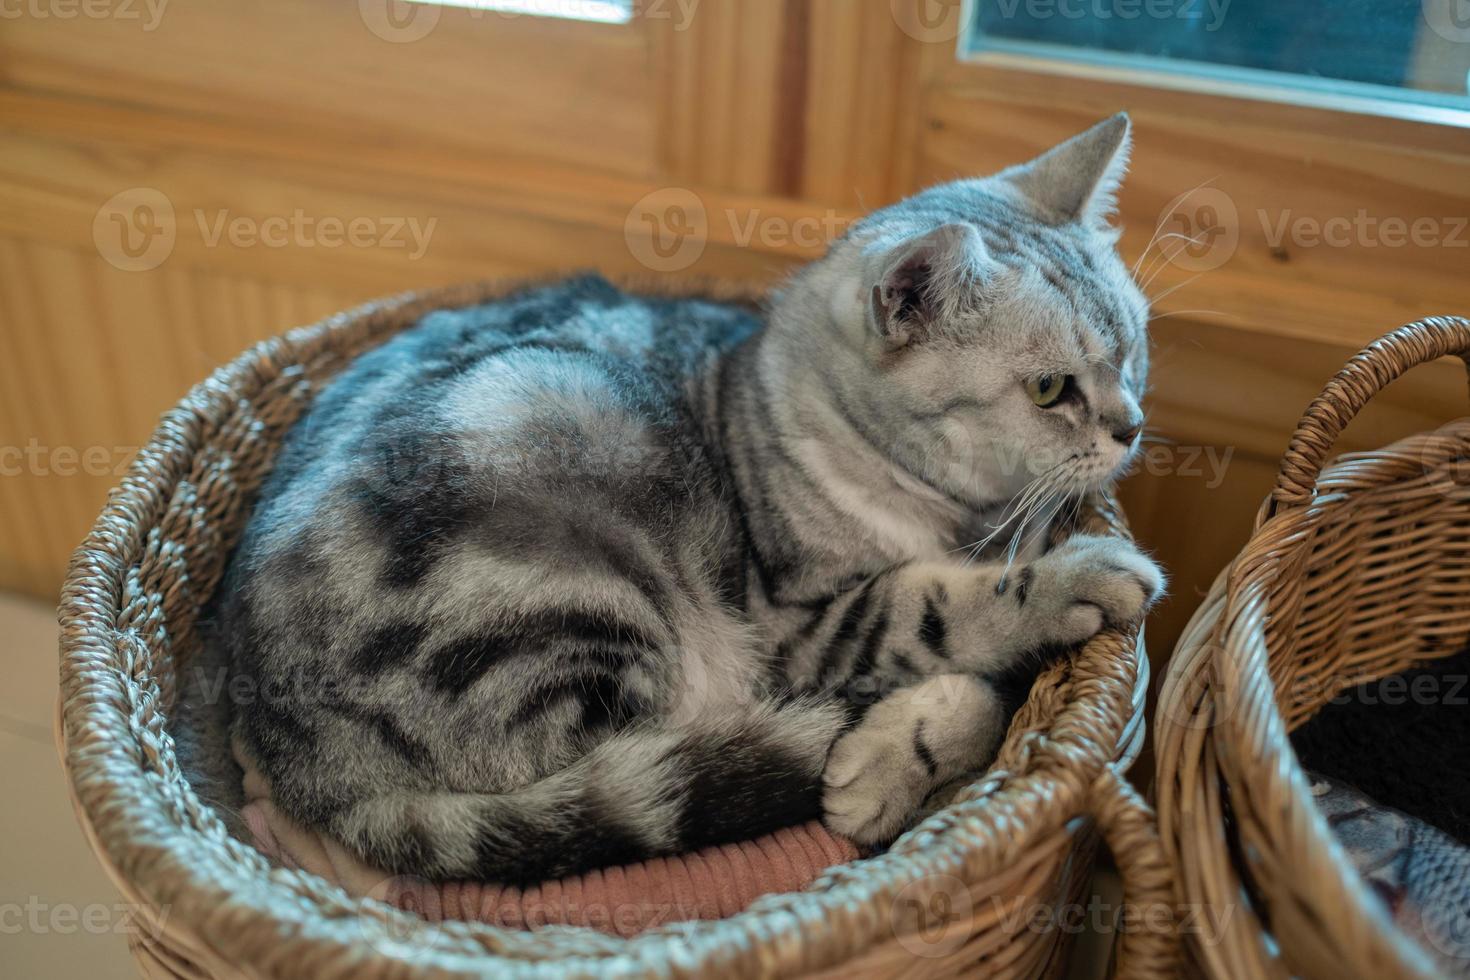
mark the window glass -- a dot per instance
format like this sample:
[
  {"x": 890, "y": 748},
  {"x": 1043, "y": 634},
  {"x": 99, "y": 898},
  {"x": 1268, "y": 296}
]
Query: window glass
[{"x": 1416, "y": 50}]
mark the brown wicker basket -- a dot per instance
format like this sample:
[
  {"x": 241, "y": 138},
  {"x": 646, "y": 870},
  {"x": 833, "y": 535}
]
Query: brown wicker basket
[
  {"x": 1354, "y": 572},
  {"x": 955, "y": 896}
]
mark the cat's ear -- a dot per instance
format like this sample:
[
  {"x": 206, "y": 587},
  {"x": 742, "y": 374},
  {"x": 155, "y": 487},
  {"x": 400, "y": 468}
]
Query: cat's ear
[
  {"x": 1078, "y": 180},
  {"x": 923, "y": 279}
]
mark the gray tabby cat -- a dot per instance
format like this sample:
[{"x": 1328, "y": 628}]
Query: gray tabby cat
[{"x": 579, "y": 577}]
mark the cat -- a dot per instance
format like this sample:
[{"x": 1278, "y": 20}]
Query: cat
[{"x": 579, "y": 577}]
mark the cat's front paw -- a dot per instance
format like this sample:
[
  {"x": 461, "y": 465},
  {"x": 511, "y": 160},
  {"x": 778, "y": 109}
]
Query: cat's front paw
[
  {"x": 1086, "y": 583},
  {"x": 872, "y": 784}
]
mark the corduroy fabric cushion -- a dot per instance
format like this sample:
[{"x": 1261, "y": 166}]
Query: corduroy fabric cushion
[{"x": 713, "y": 883}]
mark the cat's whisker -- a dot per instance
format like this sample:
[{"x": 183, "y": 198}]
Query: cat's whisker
[
  {"x": 1022, "y": 538},
  {"x": 1028, "y": 499},
  {"x": 1014, "y": 507},
  {"x": 1162, "y": 316},
  {"x": 1159, "y": 226},
  {"x": 1152, "y": 271},
  {"x": 1181, "y": 236},
  {"x": 1165, "y": 258},
  {"x": 1165, "y": 217},
  {"x": 1155, "y": 300},
  {"x": 1076, "y": 509},
  {"x": 1060, "y": 478},
  {"x": 1052, "y": 512},
  {"x": 1049, "y": 513},
  {"x": 1162, "y": 262},
  {"x": 1152, "y": 439},
  {"x": 1032, "y": 499},
  {"x": 1019, "y": 507}
]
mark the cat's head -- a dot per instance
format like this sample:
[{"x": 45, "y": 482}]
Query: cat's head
[{"x": 985, "y": 332}]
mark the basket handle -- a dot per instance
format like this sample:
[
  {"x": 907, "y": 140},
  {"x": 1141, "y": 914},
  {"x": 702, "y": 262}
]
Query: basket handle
[
  {"x": 1149, "y": 941},
  {"x": 1368, "y": 373}
]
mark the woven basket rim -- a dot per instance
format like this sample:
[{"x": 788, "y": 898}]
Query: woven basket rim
[
  {"x": 168, "y": 850},
  {"x": 1219, "y": 712}
]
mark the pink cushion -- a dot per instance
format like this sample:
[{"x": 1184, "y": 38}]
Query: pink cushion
[{"x": 708, "y": 884}]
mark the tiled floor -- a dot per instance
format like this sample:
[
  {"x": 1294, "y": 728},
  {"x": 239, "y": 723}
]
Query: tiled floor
[{"x": 59, "y": 915}]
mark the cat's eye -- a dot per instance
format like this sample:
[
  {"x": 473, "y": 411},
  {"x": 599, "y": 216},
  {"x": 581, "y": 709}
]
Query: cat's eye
[{"x": 1048, "y": 389}]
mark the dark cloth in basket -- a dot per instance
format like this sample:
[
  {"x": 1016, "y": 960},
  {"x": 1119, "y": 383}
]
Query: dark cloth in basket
[{"x": 1404, "y": 740}]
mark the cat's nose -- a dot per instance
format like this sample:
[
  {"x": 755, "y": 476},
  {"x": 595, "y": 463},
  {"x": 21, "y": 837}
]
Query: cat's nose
[{"x": 1128, "y": 431}]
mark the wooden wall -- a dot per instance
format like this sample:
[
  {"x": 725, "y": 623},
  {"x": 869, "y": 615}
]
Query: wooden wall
[{"x": 732, "y": 140}]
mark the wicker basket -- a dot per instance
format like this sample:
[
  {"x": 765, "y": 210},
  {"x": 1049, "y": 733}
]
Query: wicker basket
[
  {"x": 955, "y": 896},
  {"x": 1354, "y": 572}
]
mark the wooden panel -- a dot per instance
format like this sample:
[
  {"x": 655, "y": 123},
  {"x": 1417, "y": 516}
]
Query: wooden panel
[
  {"x": 62, "y": 163},
  {"x": 93, "y": 356},
  {"x": 1218, "y": 384},
  {"x": 1191, "y": 524},
  {"x": 537, "y": 88},
  {"x": 856, "y": 112},
  {"x": 866, "y": 67},
  {"x": 723, "y": 87}
]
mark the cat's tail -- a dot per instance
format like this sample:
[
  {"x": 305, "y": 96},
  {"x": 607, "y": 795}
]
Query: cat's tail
[{"x": 640, "y": 794}]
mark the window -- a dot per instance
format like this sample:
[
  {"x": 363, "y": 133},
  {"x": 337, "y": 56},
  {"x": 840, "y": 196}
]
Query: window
[
  {"x": 1415, "y": 51},
  {"x": 600, "y": 11}
]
